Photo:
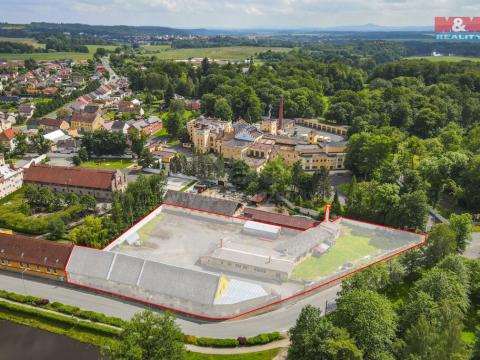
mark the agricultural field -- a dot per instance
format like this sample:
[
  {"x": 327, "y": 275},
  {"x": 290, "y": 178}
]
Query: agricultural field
[
  {"x": 27, "y": 41},
  {"x": 52, "y": 56},
  {"x": 93, "y": 48},
  {"x": 155, "y": 48},
  {"x": 445, "y": 58},
  {"x": 234, "y": 53}
]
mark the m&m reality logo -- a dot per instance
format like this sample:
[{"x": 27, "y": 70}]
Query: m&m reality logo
[{"x": 457, "y": 28}]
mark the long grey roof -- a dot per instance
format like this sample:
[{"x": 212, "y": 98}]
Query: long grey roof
[
  {"x": 196, "y": 286},
  {"x": 87, "y": 265},
  {"x": 201, "y": 202}
]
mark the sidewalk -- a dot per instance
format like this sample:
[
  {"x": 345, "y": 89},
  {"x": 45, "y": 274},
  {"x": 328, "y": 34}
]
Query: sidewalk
[
  {"x": 42, "y": 309},
  {"x": 284, "y": 343}
]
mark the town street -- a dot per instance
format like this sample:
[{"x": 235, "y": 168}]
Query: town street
[{"x": 278, "y": 320}]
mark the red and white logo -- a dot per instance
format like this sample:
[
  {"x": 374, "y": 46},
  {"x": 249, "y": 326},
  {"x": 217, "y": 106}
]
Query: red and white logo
[{"x": 457, "y": 24}]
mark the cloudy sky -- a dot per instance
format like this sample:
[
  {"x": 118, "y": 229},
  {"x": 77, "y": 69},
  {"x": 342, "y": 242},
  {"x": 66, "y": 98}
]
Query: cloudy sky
[{"x": 237, "y": 13}]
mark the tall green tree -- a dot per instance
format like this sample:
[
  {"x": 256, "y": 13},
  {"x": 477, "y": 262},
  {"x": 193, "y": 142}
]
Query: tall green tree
[
  {"x": 370, "y": 320},
  {"x": 138, "y": 141},
  {"x": 149, "y": 336},
  {"x": 315, "y": 337}
]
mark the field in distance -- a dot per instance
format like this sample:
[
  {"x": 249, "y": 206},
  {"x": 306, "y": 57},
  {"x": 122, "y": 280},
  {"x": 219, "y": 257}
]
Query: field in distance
[
  {"x": 445, "y": 58},
  {"x": 220, "y": 53},
  {"x": 27, "y": 41},
  {"x": 51, "y": 56}
]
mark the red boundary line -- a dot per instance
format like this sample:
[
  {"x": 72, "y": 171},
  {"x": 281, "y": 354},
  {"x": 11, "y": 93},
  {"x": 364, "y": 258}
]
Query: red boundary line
[{"x": 261, "y": 307}]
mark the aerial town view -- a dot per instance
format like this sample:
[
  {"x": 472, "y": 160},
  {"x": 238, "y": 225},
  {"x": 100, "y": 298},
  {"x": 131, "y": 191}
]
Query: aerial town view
[{"x": 239, "y": 180}]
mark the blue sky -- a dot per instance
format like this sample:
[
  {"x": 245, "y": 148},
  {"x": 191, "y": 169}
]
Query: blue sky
[{"x": 237, "y": 13}]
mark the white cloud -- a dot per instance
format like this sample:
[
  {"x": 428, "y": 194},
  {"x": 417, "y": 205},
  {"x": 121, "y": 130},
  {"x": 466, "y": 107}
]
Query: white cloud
[{"x": 237, "y": 13}]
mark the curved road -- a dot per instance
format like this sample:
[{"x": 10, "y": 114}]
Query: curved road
[{"x": 278, "y": 320}]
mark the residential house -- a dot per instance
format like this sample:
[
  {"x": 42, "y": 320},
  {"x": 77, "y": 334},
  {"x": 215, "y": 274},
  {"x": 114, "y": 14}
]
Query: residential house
[
  {"x": 7, "y": 138},
  {"x": 81, "y": 102},
  {"x": 116, "y": 126},
  {"x": 127, "y": 106},
  {"x": 86, "y": 121},
  {"x": 38, "y": 257},
  {"x": 10, "y": 179},
  {"x": 148, "y": 126},
  {"x": 26, "y": 110},
  {"x": 95, "y": 182},
  {"x": 54, "y": 137},
  {"x": 49, "y": 124}
]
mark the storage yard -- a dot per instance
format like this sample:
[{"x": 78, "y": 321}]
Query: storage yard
[{"x": 221, "y": 266}]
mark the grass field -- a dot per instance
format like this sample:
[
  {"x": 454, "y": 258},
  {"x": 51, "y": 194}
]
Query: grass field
[
  {"x": 155, "y": 48},
  {"x": 348, "y": 248},
  {"x": 48, "y": 56},
  {"x": 107, "y": 163},
  {"x": 93, "y": 48},
  {"x": 51, "y": 56},
  {"x": 219, "y": 53},
  {"x": 445, "y": 58},
  {"x": 28, "y": 41},
  {"x": 262, "y": 355}
]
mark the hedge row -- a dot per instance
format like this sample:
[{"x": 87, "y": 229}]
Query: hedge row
[
  {"x": 58, "y": 319},
  {"x": 86, "y": 314},
  {"x": 230, "y": 343},
  {"x": 65, "y": 309}
]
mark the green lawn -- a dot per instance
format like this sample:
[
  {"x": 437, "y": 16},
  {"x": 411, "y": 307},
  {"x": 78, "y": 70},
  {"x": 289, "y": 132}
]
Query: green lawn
[
  {"x": 107, "y": 163},
  {"x": 220, "y": 53},
  {"x": 163, "y": 133},
  {"x": 445, "y": 58},
  {"x": 262, "y": 355},
  {"x": 28, "y": 41},
  {"x": 348, "y": 248}
]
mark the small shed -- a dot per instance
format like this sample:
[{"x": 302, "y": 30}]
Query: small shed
[{"x": 260, "y": 229}]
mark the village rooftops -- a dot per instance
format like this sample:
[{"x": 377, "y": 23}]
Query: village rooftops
[
  {"x": 70, "y": 176},
  {"x": 34, "y": 251}
]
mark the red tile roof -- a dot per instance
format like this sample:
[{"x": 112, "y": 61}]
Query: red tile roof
[
  {"x": 68, "y": 176},
  {"x": 296, "y": 222},
  {"x": 51, "y": 122},
  {"x": 7, "y": 135},
  {"x": 84, "y": 117},
  {"x": 34, "y": 251}
]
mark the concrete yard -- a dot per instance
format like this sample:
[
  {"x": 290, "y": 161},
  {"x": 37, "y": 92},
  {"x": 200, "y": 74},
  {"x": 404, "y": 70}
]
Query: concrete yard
[
  {"x": 177, "y": 183},
  {"x": 181, "y": 237}
]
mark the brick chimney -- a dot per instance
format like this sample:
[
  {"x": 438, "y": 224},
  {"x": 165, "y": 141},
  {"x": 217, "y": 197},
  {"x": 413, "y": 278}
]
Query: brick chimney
[
  {"x": 280, "y": 114},
  {"x": 327, "y": 213}
]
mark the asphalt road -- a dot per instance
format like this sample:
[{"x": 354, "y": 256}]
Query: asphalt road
[
  {"x": 473, "y": 249},
  {"x": 278, "y": 320}
]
